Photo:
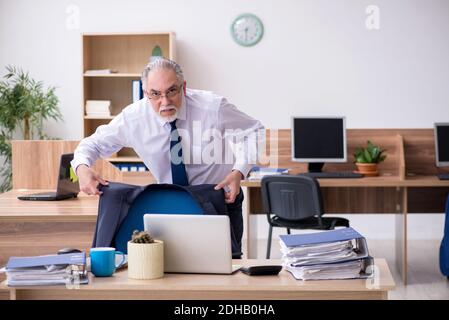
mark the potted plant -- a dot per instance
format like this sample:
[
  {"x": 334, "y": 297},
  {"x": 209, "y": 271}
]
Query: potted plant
[
  {"x": 145, "y": 256},
  {"x": 367, "y": 159},
  {"x": 24, "y": 106}
]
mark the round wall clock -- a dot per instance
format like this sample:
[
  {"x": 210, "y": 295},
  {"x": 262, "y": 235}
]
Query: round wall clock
[{"x": 247, "y": 29}]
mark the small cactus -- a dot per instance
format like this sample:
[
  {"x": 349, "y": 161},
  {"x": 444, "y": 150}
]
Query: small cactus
[{"x": 141, "y": 237}]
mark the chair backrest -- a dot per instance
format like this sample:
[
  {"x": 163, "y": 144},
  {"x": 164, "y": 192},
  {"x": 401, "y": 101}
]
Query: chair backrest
[
  {"x": 153, "y": 201},
  {"x": 291, "y": 197}
]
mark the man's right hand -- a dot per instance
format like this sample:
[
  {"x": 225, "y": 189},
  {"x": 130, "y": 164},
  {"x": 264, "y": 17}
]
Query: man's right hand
[{"x": 89, "y": 180}]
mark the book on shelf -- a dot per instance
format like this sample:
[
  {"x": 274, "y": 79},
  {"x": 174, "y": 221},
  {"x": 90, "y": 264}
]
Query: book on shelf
[
  {"x": 336, "y": 254},
  {"x": 47, "y": 270},
  {"x": 137, "y": 92},
  {"x": 95, "y": 72},
  {"x": 131, "y": 167},
  {"x": 98, "y": 108}
]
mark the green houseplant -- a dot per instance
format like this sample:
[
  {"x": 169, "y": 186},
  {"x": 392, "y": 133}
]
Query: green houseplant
[
  {"x": 24, "y": 106},
  {"x": 367, "y": 159}
]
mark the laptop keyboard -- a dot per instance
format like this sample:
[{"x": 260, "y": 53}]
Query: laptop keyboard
[
  {"x": 443, "y": 176},
  {"x": 337, "y": 174}
]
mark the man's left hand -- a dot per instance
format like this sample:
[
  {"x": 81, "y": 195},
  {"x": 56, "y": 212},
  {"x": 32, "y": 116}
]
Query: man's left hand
[{"x": 231, "y": 185}]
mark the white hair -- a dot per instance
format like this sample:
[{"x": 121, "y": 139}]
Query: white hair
[{"x": 161, "y": 63}]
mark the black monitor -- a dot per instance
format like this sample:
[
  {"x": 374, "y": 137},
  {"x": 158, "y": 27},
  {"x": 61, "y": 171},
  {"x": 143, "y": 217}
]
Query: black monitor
[
  {"x": 318, "y": 140},
  {"x": 442, "y": 144}
]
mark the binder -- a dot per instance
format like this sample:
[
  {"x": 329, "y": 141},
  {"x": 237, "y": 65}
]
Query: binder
[
  {"x": 137, "y": 93},
  {"x": 343, "y": 234},
  {"x": 78, "y": 258},
  {"x": 47, "y": 270}
]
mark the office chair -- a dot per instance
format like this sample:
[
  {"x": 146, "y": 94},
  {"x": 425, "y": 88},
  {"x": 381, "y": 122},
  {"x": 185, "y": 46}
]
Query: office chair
[
  {"x": 153, "y": 201},
  {"x": 294, "y": 202}
]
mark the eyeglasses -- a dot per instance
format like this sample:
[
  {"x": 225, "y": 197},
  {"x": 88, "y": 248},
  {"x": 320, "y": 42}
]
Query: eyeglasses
[{"x": 170, "y": 93}]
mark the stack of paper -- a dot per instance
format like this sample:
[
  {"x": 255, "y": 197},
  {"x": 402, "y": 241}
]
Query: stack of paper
[
  {"x": 99, "y": 72},
  {"x": 257, "y": 173},
  {"x": 47, "y": 270},
  {"x": 336, "y": 254},
  {"x": 99, "y": 108}
]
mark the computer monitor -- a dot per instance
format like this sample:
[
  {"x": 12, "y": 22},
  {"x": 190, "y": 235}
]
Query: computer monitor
[
  {"x": 442, "y": 144},
  {"x": 318, "y": 140}
]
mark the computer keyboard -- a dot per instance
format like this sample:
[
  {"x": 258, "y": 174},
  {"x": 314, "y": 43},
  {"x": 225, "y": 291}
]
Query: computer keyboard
[
  {"x": 331, "y": 175},
  {"x": 443, "y": 176}
]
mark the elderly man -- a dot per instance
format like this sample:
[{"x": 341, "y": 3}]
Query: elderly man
[{"x": 173, "y": 130}]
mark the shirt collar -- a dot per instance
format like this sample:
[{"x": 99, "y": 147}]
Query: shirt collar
[{"x": 182, "y": 112}]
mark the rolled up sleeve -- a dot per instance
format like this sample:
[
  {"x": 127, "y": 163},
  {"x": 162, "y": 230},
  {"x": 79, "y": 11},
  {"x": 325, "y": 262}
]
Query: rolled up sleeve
[
  {"x": 106, "y": 140},
  {"x": 245, "y": 130}
]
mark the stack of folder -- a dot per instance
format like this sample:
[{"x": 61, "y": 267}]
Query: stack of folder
[
  {"x": 336, "y": 254},
  {"x": 47, "y": 270}
]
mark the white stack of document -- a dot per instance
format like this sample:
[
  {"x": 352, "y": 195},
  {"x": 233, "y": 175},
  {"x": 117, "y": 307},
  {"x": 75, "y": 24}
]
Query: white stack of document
[
  {"x": 344, "y": 270},
  {"x": 47, "y": 270},
  {"x": 96, "y": 72},
  {"x": 257, "y": 173},
  {"x": 336, "y": 254},
  {"x": 98, "y": 108},
  {"x": 49, "y": 275}
]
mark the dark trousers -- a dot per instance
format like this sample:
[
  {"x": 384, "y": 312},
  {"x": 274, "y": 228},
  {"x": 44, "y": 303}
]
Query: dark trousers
[{"x": 236, "y": 219}]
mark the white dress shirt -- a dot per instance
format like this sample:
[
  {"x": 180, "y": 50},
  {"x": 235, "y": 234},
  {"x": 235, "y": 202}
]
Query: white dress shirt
[{"x": 203, "y": 114}]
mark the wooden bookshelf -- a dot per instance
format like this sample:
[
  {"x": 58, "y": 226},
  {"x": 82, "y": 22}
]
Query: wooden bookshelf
[{"x": 126, "y": 54}]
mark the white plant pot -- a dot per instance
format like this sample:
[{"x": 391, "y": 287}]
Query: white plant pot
[{"x": 146, "y": 260}]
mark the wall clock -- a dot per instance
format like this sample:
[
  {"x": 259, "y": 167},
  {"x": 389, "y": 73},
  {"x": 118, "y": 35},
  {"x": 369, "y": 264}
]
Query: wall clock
[{"x": 247, "y": 29}]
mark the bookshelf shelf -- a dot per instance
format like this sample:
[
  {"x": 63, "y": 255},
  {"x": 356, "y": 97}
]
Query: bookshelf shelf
[
  {"x": 98, "y": 118},
  {"x": 113, "y": 75},
  {"x": 124, "y": 159}
]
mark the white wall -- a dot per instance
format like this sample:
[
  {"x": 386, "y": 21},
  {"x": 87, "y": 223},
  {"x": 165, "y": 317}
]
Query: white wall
[{"x": 317, "y": 57}]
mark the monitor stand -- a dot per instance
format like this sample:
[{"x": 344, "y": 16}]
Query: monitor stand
[{"x": 315, "y": 166}]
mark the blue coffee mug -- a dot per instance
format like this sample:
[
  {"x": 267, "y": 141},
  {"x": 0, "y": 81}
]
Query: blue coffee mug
[{"x": 102, "y": 261}]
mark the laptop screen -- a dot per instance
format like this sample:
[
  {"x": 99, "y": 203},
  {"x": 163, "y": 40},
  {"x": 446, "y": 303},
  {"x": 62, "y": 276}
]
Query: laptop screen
[{"x": 67, "y": 179}]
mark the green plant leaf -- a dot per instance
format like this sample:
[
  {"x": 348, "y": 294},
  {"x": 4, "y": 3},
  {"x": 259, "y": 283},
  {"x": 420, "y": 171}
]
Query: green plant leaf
[
  {"x": 360, "y": 159},
  {"x": 368, "y": 157},
  {"x": 375, "y": 154}
]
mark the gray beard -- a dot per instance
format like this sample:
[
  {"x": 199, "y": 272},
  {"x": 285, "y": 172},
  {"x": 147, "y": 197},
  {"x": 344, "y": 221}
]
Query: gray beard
[{"x": 168, "y": 118}]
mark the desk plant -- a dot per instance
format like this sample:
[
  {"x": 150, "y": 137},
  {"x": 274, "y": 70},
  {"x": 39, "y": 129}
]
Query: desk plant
[
  {"x": 367, "y": 159},
  {"x": 145, "y": 256},
  {"x": 24, "y": 106}
]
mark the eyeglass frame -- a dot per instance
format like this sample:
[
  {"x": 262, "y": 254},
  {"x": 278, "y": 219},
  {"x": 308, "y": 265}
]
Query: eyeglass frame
[{"x": 176, "y": 92}]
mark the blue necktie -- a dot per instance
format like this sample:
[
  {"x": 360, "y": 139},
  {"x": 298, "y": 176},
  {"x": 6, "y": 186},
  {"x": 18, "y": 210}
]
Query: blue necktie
[{"x": 178, "y": 170}]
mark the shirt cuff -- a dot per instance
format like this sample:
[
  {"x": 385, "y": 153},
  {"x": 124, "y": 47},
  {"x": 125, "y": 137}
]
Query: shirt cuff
[
  {"x": 244, "y": 168},
  {"x": 76, "y": 162}
]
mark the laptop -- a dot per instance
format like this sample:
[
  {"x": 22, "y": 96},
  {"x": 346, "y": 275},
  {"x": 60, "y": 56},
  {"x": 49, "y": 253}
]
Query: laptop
[
  {"x": 193, "y": 243},
  {"x": 68, "y": 186}
]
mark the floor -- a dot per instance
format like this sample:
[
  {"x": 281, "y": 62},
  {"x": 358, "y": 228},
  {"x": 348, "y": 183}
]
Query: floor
[{"x": 425, "y": 279}]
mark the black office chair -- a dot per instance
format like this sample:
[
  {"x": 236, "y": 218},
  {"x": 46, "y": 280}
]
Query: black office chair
[{"x": 294, "y": 202}]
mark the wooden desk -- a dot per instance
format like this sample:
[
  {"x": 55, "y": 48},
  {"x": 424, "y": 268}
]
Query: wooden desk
[
  {"x": 211, "y": 287},
  {"x": 42, "y": 227},
  {"x": 384, "y": 194}
]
